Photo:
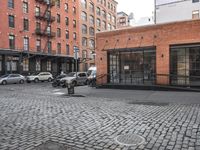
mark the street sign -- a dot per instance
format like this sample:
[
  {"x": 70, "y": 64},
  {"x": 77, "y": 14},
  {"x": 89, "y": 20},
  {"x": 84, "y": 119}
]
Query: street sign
[{"x": 76, "y": 50}]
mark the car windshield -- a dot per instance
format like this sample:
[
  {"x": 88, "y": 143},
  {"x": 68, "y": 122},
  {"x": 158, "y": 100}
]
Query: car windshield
[
  {"x": 34, "y": 74},
  {"x": 93, "y": 73},
  {"x": 61, "y": 76},
  {"x": 89, "y": 72},
  {"x": 71, "y": 74},
  {"x": 4, "y": 76}
]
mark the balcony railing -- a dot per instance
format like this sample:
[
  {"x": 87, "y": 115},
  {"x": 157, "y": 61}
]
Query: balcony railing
[
  {"x": 45, "y": 33},
  {"x": 50, "y": 34},
  {"x": 38, "y": 32},
  {"x": 46, "y": 2},
  {"x": 45, "y": 17}
]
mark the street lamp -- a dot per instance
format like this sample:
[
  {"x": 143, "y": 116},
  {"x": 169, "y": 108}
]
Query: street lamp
[{"x": 76, "y": 50}]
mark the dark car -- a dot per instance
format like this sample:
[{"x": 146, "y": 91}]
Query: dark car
[{"x": 56, "y": 81}]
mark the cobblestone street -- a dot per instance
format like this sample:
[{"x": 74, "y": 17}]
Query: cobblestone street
[{"x": 32, "y": 114}]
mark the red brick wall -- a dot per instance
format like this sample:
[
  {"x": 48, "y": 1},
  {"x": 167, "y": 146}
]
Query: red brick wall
[
  {"x": 18, "y": 30},
  {"x": 161, "y": 36}
]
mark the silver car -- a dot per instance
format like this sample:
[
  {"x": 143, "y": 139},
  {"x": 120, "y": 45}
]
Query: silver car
[
  {"x": 12, "y": 78},
  {"x": 79, "y": 79}
]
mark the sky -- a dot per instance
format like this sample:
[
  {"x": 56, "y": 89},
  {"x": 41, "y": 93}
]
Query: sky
[{"x": 140, "y": 8}]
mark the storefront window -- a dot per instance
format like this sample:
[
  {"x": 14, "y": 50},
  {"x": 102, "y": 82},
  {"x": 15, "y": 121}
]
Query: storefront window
[
  {"x": 37, "y": 67},
  {"x": 48, "y": 65},
  {"x": 26, "y": 64},
  {"x": 132, "y": 67},
  {"x": 185, "y": 66}
]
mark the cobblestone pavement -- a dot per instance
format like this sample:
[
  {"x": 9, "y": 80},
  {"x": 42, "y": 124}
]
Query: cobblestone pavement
[{"x": 33, "y": 114}]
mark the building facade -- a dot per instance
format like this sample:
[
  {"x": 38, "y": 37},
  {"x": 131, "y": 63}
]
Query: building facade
[
  {"x": 38, "y": 35},
  {"x": 176, "y": 10},
  {"x": 122, "y": 20},
  {"x": 95, "y": 16},
  {"x": 167, "y": 54}
]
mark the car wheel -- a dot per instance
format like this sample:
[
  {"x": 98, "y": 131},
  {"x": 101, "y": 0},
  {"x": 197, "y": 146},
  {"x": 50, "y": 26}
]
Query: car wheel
[
  {"x": 74, "y": 83},
  {"x": 4, "y": 82},
  {"x": 49, "y": 80},
  {"x": 36, "y": 80},
  {"x": 21, "y": 81}
]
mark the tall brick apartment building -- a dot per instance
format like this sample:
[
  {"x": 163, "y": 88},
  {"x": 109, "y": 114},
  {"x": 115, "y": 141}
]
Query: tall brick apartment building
[
  {"x": 38, "y": 35},
  {"x": 95, "y": 16},
  {"x": 166, "y": 54}
]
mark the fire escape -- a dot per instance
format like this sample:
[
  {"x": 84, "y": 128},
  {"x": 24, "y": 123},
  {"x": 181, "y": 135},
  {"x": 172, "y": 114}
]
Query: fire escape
[{"x": 46, "y": 17}]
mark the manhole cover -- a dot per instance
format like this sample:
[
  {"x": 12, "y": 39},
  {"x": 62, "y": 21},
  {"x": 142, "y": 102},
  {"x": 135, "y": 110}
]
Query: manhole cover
[{"x": 129, "y": 139}]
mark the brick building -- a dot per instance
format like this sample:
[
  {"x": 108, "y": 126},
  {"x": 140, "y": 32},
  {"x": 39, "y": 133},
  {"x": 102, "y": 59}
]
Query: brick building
[
  {"x": 95, "y": 16},
  {"x": 38, "y": 35},
  {"x": 166, "y": 54},
  {"x": 122, "y": 20}
]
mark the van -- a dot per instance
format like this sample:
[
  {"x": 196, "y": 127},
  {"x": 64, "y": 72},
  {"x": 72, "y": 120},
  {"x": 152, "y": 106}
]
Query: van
[{"x": 92, "y": 71}]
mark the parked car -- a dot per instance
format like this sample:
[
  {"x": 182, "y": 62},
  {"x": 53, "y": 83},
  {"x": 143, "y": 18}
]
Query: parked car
[
  {"x": 71, "y": 78},
  {"x": 56, "y": 81},
  {"x": 42, "y": 76},
  {"x": 12, "y": 78}
]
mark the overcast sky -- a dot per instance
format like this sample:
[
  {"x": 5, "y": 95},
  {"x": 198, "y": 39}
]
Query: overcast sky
[{"x": 140, "y": 8}]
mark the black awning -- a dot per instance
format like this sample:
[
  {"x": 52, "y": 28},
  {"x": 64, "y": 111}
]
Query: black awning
[{"x": 131, "y": 49}]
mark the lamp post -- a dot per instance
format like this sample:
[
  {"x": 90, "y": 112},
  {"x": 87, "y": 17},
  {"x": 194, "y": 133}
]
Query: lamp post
[{"x": 76, "y": 50}]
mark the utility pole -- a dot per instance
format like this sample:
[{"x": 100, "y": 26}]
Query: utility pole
[
  {"x": 76, "y": 50},
  {"x": 154, "y": 11}
]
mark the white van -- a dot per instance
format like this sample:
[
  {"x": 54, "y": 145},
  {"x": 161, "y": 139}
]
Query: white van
[{"x": 92, "y": 71}]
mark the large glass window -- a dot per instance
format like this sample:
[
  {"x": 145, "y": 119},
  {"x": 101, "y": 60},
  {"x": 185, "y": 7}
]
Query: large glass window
[
  {"x": 185, "y": 66},
  {"x": 38, "y": 65},
  {"x": 48, "y": 65},
  {"x": 132, "y": 67},
  {"x": 26, "y": 64}
]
